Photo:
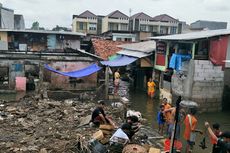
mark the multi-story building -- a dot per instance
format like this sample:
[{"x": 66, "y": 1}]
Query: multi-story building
[
  {"x": 166, "y": 24},
  {"x": 86, "y": 22},
  {"x": 6, "y": 18},
  {"x": 210, "y": 25},
  {"x": 19, "y": 22},
  {"x": 115, "y": 21},
  {"x": 121, "y": 27},
  {"x": 142, "y": 22}
]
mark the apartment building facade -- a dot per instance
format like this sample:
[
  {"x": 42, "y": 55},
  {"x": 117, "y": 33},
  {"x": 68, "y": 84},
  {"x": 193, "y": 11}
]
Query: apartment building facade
[
  {"x": 86, "y": 22},
  {"x": 115, "y": 21},
  {"x": 6, "y": 18},
  {"x": 140, "y": 25}
]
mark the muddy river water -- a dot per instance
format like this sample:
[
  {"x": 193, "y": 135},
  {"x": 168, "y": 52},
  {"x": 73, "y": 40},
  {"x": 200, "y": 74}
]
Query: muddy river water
[{"x": 140, "y": 102}]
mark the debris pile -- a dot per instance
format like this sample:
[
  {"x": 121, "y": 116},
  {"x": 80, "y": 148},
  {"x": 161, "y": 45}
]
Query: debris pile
[{"x": 35, "y": 125}]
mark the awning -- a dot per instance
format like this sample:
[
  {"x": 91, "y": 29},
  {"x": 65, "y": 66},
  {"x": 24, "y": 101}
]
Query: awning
[
  {"x": 132, "y": 53},
  {"x": 78, "y": 73},
  {"x": 120, "y": 61}
]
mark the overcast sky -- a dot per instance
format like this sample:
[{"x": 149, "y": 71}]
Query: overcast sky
[{"x": 50, "y": 13}]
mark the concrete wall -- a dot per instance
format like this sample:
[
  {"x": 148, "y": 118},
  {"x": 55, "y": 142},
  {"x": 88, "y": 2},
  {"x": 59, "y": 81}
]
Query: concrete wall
[
  {"x": 227, "y": 64},
  {"x": 203, "y": 84},
  {"x": 208, "y": 85},
  {"x": 63, "y": 82},
  {"x": 19, "y": 22},
  {"x": 16, "y": 69},
  {"x": 105, "y": 24},
  {"x": 3, "y": 41},
  {"x": 7, "y": 18}
]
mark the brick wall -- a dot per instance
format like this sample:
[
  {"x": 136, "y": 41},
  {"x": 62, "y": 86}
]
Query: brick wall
[{"x": 207, "y": 87}]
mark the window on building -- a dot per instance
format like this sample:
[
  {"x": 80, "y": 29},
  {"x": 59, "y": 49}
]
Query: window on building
[
  {"x": 143, "y": 28},
  {"x": 92, "y": 26},
  {"x": 184, "y": 48},
  {"x": 81, "y": 25},
  {"x": 202, "y": 49},
  {"x": 128, "y": 39},
  {"x": 173, "y": 30},
  {"x": 124, "y": 27},
  {"x": 152, "y": 28},
  {"x": 118, "y": 39},
  {"x": 164, "y": 30},
  {"x": 113, "y": 26}
]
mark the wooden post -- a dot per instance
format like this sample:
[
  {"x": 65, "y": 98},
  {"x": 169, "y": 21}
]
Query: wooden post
[
  {"x": 172, "y": 149},
  {"x": 40, "y": 83},
  {"x": 106, "y": 82}
]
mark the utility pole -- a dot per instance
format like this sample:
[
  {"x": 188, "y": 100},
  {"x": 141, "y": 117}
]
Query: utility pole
[{"x": 106, "y": 82}]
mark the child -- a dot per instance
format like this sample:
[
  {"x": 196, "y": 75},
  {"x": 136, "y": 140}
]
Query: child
[{"x": 161, "y": 120}]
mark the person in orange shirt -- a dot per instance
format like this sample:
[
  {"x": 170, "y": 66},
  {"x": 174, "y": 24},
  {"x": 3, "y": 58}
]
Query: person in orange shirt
[
  {"x": 190, "y": 129},
  {"x": 151, "y": 88},
  {"x": 167, "y": 114}
]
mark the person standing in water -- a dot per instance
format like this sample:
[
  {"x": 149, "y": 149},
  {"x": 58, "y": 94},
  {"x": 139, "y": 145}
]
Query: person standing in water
[{"x": 151, "y": 88}]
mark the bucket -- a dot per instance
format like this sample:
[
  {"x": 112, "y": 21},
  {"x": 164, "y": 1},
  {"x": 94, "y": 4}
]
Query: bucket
[{"x": 177, "y": 145}]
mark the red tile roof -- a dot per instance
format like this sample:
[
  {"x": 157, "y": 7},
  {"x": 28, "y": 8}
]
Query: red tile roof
[{"x": 106, "y": 48}]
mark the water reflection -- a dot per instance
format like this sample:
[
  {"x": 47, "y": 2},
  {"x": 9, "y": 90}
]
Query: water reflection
[
  {"x": 14, "y": 96},
  {"x": 148, "y": 108}
]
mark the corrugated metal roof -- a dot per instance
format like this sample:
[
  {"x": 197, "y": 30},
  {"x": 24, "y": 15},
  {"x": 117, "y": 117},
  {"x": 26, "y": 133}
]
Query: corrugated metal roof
[
  {"x": 44, "y": 32},
  {"x": 146, "y": 46},
  {"x": 134, "y": 53},
  {"x": 194, "y": 35}
]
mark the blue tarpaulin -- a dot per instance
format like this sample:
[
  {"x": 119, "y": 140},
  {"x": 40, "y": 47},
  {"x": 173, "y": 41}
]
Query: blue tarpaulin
[
  {"x": 120, "y": 61},
  {"x": 176, "y": 61},
  {"x": 78, "y": 73}
]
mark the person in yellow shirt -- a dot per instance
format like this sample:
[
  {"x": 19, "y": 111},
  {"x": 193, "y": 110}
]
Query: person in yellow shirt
[
  {"x": 117, "y": 74},
  {"x": 151, "y": 88},
  {"x": 116, "y": 81}
]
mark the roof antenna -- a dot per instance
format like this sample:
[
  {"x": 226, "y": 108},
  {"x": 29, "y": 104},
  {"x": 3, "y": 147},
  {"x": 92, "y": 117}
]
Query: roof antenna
[{"x": 130, "y": 12}]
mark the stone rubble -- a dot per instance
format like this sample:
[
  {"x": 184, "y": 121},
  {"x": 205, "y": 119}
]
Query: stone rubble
[{"x": 33, "y": 125}]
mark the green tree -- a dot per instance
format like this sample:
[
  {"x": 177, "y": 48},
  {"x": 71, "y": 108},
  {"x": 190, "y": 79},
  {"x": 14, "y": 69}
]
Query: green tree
[
  {"x": 59, "y": 28},
  {"x": 35, "y": 25}
]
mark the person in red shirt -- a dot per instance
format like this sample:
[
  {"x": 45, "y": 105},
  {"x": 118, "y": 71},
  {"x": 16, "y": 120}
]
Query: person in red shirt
[{"x": 190, "y": 129}]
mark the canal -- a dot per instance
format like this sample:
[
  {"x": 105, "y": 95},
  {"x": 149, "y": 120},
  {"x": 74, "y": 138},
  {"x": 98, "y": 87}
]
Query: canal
[{"x": 148, "y": 108}]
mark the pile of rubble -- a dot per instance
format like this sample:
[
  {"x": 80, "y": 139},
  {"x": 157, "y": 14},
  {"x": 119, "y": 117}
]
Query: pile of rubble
[{"x": 35, "y": 125}]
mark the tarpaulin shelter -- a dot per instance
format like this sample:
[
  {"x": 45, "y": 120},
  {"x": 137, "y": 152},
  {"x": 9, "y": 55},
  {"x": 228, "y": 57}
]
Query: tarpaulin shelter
[
  {"x": 78, "y": 73},
  {"x": 120, "y": 61}
]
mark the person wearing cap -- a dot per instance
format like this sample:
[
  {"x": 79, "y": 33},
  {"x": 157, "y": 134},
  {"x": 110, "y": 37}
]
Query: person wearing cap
[
  {"x": 223, "y": 141},
  {"x": 99, "y": 117}
]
